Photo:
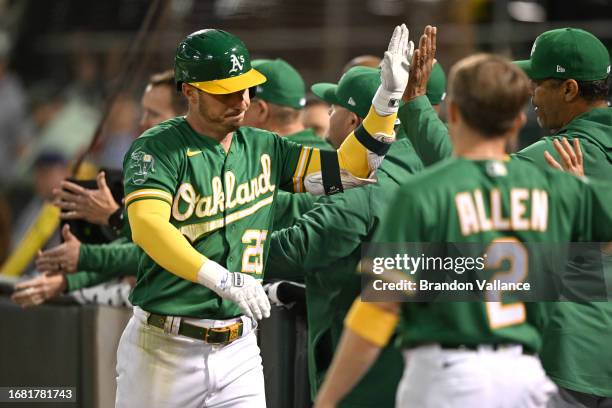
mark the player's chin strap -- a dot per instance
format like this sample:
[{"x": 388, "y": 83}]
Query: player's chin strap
[{"x": 332, "y": 179}]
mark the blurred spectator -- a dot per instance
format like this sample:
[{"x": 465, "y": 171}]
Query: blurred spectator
[
  {"x": 12, "y": 115},
  {"x": 316, "y": 116},
  {"x": 60, "y": 125}
]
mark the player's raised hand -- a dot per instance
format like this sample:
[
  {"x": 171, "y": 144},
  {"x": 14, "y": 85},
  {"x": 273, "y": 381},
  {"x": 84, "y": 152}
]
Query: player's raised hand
[
  {"x": 422, "y": 64},
  {"x": 571, "y": 157},
  {"x": 395, "y": 70},
  {"x": 76, "y": 202},
  {"x": 38, "y": 290},
  {"x": 63, "y": 258}
]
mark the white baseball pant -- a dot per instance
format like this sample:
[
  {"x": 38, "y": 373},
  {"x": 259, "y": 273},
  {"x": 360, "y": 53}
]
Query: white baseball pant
[
  {"x": 159, "y": 369},
  {"x": 456, "y": 378}
]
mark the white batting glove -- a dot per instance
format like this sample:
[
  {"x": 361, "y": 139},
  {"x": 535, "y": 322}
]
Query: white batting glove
[
  {"x": 240, "y": 288},
  {"x": 395, "y": 68}
]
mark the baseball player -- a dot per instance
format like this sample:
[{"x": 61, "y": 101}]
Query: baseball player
[
  {"x": 568, "y": 69},
  {"x": 200, "y": 196},
  {"x": 323, "y": 246},
  {"x": 469, "y": 354}
]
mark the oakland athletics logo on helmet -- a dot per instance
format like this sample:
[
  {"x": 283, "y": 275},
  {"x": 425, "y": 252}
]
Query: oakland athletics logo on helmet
[{"x": 216, "y": 62}]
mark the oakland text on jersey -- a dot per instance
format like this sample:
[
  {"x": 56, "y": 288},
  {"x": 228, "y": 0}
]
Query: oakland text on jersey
[
  {"x": 473, "y": 217},
  {"x": 243, "y": 193}
]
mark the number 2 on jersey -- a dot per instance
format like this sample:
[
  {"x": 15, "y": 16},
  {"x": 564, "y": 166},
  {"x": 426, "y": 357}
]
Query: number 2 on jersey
[
  {"x": 510, "y": 249},
  {"x": 252, "y": 257}
]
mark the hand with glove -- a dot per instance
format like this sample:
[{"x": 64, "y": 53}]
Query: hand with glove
[
  {"x": 394, "y": 73},
  {"x": 291, "y": 295},
  {"x": 240, "y": 288}
]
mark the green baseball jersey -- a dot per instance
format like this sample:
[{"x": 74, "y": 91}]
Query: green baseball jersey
[
  {"x": 308, "y": 137},
  {"x": 221, "y": 202},
  {"x": 325, "y": 246},
  {"x": 459, "y": 200}
]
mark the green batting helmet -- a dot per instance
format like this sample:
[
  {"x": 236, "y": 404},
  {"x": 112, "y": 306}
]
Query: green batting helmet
[{"x": 216, "y": 62}]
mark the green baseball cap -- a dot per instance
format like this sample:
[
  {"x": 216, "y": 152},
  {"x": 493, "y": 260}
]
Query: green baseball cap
[
  {"x": 567, "y": 53},
  {"x": 354, "y": 91},
  {"x": 284, "y": 86},
  {"x": 436, "y": 85}
]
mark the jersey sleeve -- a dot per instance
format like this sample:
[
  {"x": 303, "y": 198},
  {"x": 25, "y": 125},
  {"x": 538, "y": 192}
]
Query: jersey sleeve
[
  {"x": 150, "y": 171},
  {"x": 428, "y": 134},
  {"x": 333, "y": 229},
  {"x": 289, "y": 207},
  {"x": 117, "y": 258}
]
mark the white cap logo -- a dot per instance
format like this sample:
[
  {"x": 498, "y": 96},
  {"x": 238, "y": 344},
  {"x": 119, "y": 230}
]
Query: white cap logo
[
  {"x": 302, "y": 102},
  {"x": 560, "y": 68},
  {"x": 351, "y": 101},
  {"x": 237, "y": 64}
]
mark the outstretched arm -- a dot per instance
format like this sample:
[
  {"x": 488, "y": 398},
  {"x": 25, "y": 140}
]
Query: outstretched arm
[
  {"x": 427, "y": 133},
  {"x": 368, "y": 328},
  {"x": 363, "y": 150}
]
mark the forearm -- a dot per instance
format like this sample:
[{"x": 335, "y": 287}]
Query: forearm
[
  {"x": 350, "y": 165},
  {"x": 86, "y": 279},
  {"x": 427, "y": 133},
  {"x": 352, "y": 360},
  {"x": 153, "y": 232},
  {"x": 368, "y": 328},
  {"x": 113, "y": 258}
]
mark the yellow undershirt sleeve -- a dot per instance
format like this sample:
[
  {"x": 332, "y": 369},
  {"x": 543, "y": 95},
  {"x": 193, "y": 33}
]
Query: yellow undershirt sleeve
[
  {"x": 370, "y": 322},
  {"x": 352, "y": 155},
  {"x": 153, "y": 232}
]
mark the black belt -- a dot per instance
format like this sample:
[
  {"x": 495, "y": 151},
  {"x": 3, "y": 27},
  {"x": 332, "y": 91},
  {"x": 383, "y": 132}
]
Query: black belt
[
  {"x": 476, "y": 347},
  {"x": 212, "y": 335}
]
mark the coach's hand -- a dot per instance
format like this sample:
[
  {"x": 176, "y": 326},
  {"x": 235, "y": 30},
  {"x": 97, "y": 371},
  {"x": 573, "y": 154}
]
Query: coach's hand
[
  {"x": 240, "y": 288},
  {"x": 78, "y": 203},
  {"x": 422, "y": 65},
  {"x": 63, "y": 258},
  {"x": 40, "y": 289},
  {"x": 394, "y": 72},
  {"x": 571, "y": 157}
]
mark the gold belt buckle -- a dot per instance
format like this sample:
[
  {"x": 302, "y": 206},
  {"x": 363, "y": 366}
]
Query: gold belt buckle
[{"x": 234, "y": 331}]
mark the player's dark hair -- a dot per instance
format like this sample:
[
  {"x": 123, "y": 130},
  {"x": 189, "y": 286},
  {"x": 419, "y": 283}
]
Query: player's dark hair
[
  {"x": 594, "y": 90},
  {"x": 166, "y": 78},
  {"x": 489, "y": 91}
]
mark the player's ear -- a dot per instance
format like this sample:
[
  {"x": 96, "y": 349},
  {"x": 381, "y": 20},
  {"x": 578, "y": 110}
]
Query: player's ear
[
  {"x": 571, "y": 90},
  {"x": 264, "y": 109},
  {"x": 190, "y": 93},
  {"x": 354, "y": 120}
]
